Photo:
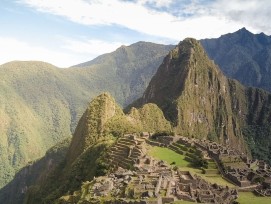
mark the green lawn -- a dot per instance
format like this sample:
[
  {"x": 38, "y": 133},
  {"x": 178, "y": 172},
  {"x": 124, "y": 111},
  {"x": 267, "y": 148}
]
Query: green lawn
[
  {"x": 250, "y": 198},
  {"x": 170, "y": 156},
  {"x": 182, "y": 202}
]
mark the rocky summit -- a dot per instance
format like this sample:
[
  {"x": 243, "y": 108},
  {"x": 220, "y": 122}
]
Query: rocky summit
[{"x": 200, "y": 101}]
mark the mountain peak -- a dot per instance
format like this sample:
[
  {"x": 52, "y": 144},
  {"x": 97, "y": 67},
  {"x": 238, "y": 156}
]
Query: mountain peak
[
  {"x": 243, "y": 30},
  {"x": 191, "y": 41},
  {"x": 171, "y": 76},
  {"x": 90, "y": 128},
  {"x": 193, "y": 94}
]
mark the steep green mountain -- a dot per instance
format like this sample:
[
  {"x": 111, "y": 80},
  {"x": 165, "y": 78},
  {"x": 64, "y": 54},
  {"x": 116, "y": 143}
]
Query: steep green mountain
[
  {"x": 36, "y": 171},
  {"x": 41, "y": 104},
  {"x": 201, "y": 102},
  {"x": 126, "y": 72},
  {"x": 34, "y": 111},
  {"x": 243, "y": 56},
  {"x": 101, "y": 124}
]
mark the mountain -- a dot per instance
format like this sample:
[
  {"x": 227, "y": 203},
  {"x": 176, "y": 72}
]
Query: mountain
[
  {"x": 99, "y": 127},
  {"x": 41, "y": 104},
  {"x": 126, "y": 72},
  {"x": 201, "y": 102},
  {"x": 36, "y": 171},
  {"x": 34, "y": 111},
  {"x": 189, "y": 95},
  {"x": 244, "y": 56}
]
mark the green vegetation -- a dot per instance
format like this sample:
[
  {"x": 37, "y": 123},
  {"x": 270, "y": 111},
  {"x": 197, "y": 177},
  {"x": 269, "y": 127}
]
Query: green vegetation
[
  {"x": 169, "y": 156},
  {"x": 41, "y": 104},
  {"x": 35, "y": 172},
  {"x": 149, "y": 118},
  {"x": 258, "y": 139},
  {"x": 251, "y": 198},
  {"x": 66, "y": 179},
  {"x": 99, "y": 127}
]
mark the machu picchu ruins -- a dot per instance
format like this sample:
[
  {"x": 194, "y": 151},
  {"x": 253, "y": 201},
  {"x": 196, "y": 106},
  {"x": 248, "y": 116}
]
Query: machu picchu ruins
[{"x": 136, "y": 177}]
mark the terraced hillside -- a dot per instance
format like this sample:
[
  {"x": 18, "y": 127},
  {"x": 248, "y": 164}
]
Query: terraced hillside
[{"x": 126, "y": 151}]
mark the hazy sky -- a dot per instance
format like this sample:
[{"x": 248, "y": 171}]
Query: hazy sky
[{"x": 68, "y": 32}]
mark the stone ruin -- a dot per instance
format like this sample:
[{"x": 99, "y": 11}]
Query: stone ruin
[
  {"x": 155, "y": 182},
  {"x": 142, "y": 179},
  {"x": 127, "y": 151},
  {"x": 234, "y": 166}
]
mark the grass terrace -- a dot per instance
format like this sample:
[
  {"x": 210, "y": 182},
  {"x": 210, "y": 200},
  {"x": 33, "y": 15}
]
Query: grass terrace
[
  {"x": 168, "y": 156},
  {"x": 251, "y": 198},
  {"x": 171, "y": 156}
]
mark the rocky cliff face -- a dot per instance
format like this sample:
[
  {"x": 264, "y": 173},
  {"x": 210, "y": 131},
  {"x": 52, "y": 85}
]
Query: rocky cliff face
[{"x": 198, "y": 99}]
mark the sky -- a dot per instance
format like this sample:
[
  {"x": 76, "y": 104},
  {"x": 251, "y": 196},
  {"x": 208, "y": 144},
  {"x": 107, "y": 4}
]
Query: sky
[{"x": 68, "y": 32}]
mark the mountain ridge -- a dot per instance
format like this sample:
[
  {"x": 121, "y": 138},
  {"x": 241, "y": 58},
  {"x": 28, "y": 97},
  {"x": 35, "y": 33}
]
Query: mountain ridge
[
  {"x": 242, "y": 55},
  {"x": 41, "y": 104}
]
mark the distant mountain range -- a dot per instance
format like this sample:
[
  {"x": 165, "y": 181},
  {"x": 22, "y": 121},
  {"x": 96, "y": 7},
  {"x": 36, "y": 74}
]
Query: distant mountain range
[
  {"x": 243, "y": 56},
  {"x": 41, "y": 104}
]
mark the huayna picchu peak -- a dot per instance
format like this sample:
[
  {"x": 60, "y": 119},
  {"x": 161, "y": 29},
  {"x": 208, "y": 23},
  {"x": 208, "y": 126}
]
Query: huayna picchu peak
[
  {"x": 201, "y": 102},
  {"x": 195, "y": 96}
]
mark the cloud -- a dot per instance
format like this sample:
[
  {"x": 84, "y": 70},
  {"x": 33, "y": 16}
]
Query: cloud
[
  {"x": 90, "y": 47},
  {"x": 72, "y": 52},
  {"x": 137, "y": 17},
  {"x": 156, "y": 3},
  {"x": 224, "y": 15},
  {"x": 253, "y": 14},
  {"x": 13, "y": 49},
  {"x": 163, "y": 19}
]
